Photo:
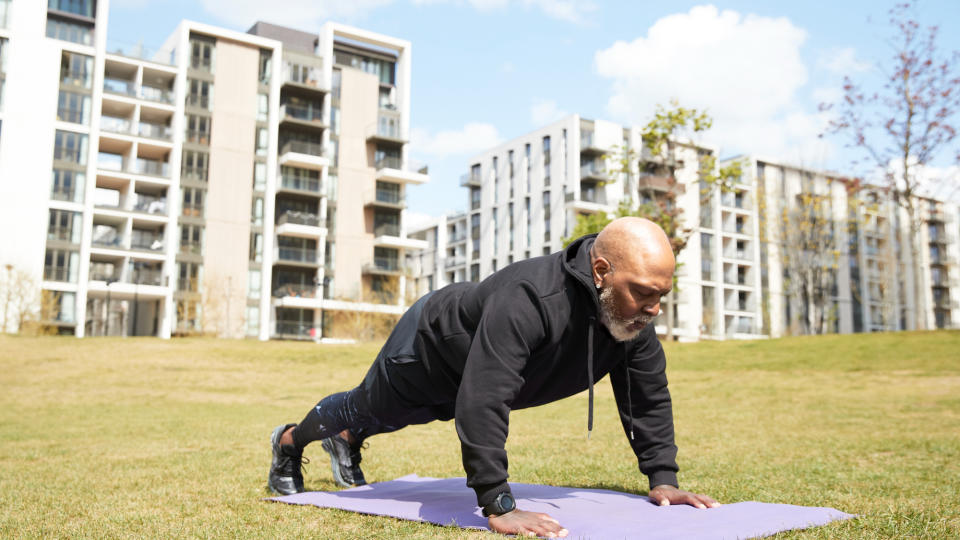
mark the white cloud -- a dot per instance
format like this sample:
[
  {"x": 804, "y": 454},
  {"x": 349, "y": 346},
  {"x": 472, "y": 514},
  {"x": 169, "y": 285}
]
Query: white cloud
[
  {"x": 746, "y": 71},
  {"x": 305, "y": 14},
  {"x": 545, "y": 111},
  {"x": 574, "y": 11},
  {"x": 843, "y": 61},
  {"x": 472, "y": 138}
]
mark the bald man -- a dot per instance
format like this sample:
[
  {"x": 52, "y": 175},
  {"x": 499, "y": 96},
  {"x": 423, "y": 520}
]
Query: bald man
[{"x": 537, "y": 331}]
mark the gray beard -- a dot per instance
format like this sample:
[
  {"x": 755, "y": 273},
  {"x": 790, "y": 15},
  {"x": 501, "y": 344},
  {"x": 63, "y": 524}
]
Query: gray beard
[{"x": 621, "y": 329}]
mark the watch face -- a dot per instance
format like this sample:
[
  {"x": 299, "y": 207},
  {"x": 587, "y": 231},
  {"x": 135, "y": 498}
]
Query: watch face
[{"x": 507, "y": 503}]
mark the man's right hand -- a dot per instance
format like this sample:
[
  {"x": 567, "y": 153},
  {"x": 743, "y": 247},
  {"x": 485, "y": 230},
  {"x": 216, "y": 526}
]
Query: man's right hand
[{"x": 527, "y": 524}]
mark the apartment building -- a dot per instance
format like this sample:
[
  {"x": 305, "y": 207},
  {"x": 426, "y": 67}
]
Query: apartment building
[
  {"x": 242, "y": 184},
  {"x": 526, "y": 194},
  {"x": 444, "y": 260},
  {"x": 785, "y": 249}
]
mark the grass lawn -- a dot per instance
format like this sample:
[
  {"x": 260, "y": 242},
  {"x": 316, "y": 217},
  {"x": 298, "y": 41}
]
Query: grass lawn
[{"x": 140, "y": 438}]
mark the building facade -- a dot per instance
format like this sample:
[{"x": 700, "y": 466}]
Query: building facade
[
  {"x": 782, "y": 249},
  {"x": 239, "y": 184}
]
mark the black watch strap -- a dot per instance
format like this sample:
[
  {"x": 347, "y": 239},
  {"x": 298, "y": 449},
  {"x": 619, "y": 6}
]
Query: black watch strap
[{"x": 501, "y": 505}]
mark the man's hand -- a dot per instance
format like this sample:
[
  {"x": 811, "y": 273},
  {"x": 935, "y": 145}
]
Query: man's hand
[
  {"x": 665, "y": 495},
  {"x": 527, "y": 524}
]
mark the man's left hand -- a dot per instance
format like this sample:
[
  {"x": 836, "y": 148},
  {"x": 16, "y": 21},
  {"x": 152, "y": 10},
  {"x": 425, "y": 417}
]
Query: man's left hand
[{"x": 665, "y": 495}]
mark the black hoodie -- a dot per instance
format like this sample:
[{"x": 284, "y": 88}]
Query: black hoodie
[{"x": 521, "y": 338}]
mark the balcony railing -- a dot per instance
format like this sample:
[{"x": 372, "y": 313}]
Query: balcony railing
[
  {"x": 455, "y": 261},
  {"x": 72, "y": 155},
  {"x": 194, "y": 173},
  {"x": 299, "y": 218},
  {"x": 194, "y": 100},
  {"x": 386, "y": 230},
  {"x": 197, "y": 136},
  {"x": 56, "y": 273},
  {"x": 154, "y": 243},
  {"x": 191, "y": 247},
  {"x": 119, "y": 86},
  {"x": 302, "y": 147},
  {"x": 194, "y": 210},
  {"x": 160, "y": 95},
  {"x": 388, "y": 196},
  {"x": 299, "y": 112},
  {"x": 299, "y": 183},
  {"x": 305, "y": 75},
  {"x": 115, "y": 125},
  {"x": 592, "y": 170},
  {"x": 154, "y": 131},
  {"x": 66, "y": 194},
  {"x": 385, "y": 264},
  {"x": 60, "y": 233},
  {"x": 457, "y": 237},
  {"x": 151, "y": 167},
  {"x": 302, "y": 255},
  {"x": 103, "y": 272},
  {"x": 201, "y": 63},
  {"x": 188, "y": 284},
  {"x": 471, "y": 179},
  {"x": 295, "y": 290},
  {"x": 146, "y": 277}
]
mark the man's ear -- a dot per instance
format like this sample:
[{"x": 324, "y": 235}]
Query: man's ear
[{"x": 600, "y": 268}]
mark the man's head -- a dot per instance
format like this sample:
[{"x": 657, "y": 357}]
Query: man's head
[{"x": 633, "y": 267}]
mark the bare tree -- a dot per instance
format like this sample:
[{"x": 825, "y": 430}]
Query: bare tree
[{"x": 905, "y": 124}]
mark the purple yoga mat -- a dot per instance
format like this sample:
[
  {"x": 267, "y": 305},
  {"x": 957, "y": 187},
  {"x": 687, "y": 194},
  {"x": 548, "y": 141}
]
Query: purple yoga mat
[{"x": 586, "y": 513}]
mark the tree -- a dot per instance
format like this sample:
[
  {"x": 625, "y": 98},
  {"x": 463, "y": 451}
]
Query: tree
[
  {"x": 905, "y": 124},
  {"x": 658, "y": 186}
]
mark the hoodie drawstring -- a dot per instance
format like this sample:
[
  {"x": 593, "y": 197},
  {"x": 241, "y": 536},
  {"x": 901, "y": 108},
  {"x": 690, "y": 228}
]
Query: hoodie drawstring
[
  {"x": 593, "y": 322},
  {"x": 626, "y": 376}
]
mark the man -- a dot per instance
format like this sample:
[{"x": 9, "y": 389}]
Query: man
[{"x": 536, "y": 331}]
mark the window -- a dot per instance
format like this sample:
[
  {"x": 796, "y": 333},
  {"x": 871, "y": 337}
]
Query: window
[
  {"x": 474, "y": 198},
  {"x": 546, "y": 151},
  {"x": 201, "y": 53},
  {"x": 70, "y": 147},
  {"x": 76, "y": 70},
  {"x": 256, "y": 247},
  {"x": 266, "y": 63},
  {"x": 193, "y": 201},
  {"x": 256, "y": 212},
  {"x": 190, "y": 276},
  {"x": 195, "y": 164},
  {"x": 200, "y": 94},
  {"x": 84, "y": 8},
  {"x": 61, "y": 265},
  {"x": 546, "y": 216},
  {"x": 67, "y": 185},
  {"x": 4, "y": 13},
  {"x": 706, "y": 256},
  {"x": 384, "y": 69},
  {"x": 73, "y": 107},
  {"x": 198, "y": 129},
  {"x": 62, "y": 29},
  {"x": 263, "y": 138},
  {"x": 263, "y": 107},
  {"x": 496, "y": 180},
  {"x": 253, "y": 321},
  {"x": 191, "y": 239},
  {"x": 260, "y": 176},
  {"x": 64, "y": 226},
  {"x": 526, "y": 150}
]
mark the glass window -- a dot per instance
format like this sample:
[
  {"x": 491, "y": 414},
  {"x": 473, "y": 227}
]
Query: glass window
[
  {"x": 67, "y": 185},
  {"x": 4, "y": 13},
  {"x": 73, "y": 107},
  {"x": 263, "y": 107},
  {"x": 256, "y": 212},
  {"x": 61, "y": 29},
  {"x": 266, "y": 61},
  {"x": 70, "y": 147},
  {"x": 83, "y": 8},
  {"x": 253, "y": 283},
  {"x": 253, "y": 321}
]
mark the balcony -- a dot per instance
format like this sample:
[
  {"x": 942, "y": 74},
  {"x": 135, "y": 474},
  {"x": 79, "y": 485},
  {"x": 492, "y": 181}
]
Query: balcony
[
  {"x": 300, "y": 225},
  {"x": 392, "y": 169},
  {"x": 157, "y": 95},
  {"x": 150, "y": 205},
  {"x": 295, "y": 255},
  {"x": 295, "y": 290},
  {"x": 154, "y": 131},
  {"x": 385, "y": 198},
  {"x": 302, "y": 115},
  {"x": 457, "y": 237},
  {"x": 471, "y": 179},
  {"x": 594, "y": 171},
  {"x": 306, "y": 77},
  {"x": 589, "y": 146},
  {"x": 300, "y": 184},
  {"x": 145, "y": 276},
  {"x": 198, "y": 101},
  {"x": 113, "y": 124},
  {"x": 56, "y": 273},
  {"x": 148, "y": 243},
  {"x": 387, "y": 130},
  {"x": 454, "y": 261},
  {"x": 388, "y": 235},
  {"x": 384, "y": 266},
  {"x": 295, "y": 330},
  {"x": 151, "y": 167},
  {"x": 119, "y": 87},
  {"x": 585, "y": 206},
  {"x": 304, "y": 154}
]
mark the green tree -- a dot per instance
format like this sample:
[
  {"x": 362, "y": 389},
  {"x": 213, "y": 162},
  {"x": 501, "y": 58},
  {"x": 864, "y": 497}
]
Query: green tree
[{"x": 656, "y": 166}]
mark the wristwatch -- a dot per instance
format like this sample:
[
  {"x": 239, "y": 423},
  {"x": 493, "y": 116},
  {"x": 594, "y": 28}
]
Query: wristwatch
[{"x": 501, "y": 505}]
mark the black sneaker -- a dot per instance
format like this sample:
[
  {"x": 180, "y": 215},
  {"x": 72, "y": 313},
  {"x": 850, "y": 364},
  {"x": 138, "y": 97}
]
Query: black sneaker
[
  {"x": 344, "y": 461},
  {"x": 285, "y": 478}
]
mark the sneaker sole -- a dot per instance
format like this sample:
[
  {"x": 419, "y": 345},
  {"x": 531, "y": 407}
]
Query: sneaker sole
[{"x": 334, "y": 464}]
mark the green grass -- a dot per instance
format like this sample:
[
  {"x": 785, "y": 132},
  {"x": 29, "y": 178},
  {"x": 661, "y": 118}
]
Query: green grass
[{"x": 135, "y": 438}]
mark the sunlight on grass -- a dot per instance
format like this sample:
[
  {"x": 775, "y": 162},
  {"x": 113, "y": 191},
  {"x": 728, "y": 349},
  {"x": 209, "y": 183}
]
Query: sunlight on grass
[{"x": 168, "y": 439}]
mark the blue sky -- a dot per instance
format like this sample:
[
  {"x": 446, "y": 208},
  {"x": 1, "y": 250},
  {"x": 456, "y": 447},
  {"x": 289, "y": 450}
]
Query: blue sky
[{"x": 485, "y": 71}]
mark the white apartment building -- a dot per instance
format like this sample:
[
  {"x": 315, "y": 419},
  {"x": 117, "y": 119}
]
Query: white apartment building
[
  {"x": 234, "y": 183},
  {"x": 742, "y": 274},
  {"x": 444, "y": 260}
]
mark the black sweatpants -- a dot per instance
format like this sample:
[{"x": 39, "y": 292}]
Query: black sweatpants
[{"x": 396, "y": 392}]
